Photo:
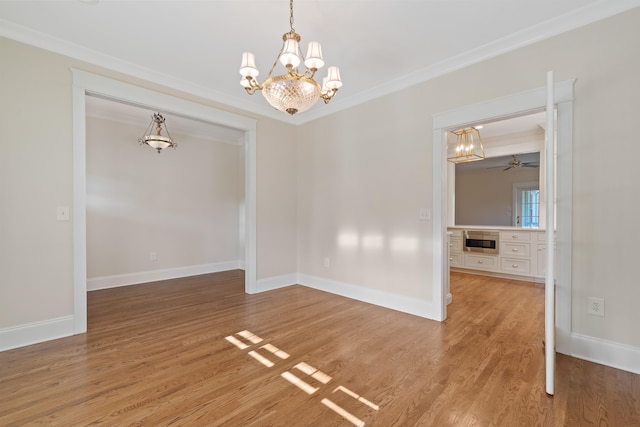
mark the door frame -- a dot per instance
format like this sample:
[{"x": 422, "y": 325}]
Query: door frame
[
  {"x": 85, "y": 83},
  {"x": 499, "y": 109}
]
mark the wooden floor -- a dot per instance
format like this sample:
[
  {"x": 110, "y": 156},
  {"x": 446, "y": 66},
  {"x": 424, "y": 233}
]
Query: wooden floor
[{"x": 200, "y": 352}]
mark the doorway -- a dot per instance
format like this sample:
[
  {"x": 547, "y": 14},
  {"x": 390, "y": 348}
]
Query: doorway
[
  {"x": 157, "y": 216},
  {"x": 84, "y": 84},
  {"x": 498, "y": 109}
]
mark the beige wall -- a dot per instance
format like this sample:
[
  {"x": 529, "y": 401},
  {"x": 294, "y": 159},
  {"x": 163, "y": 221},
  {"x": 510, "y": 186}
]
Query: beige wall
[
  {"x": 347, "y": 187},
  {"x": 276, "y": 199},
  {"x": 36, "y": 251},
  {"x": 367, "y": 170},
  {"x": 183, "y": 204},
  {"x": 485, "y": 197}
]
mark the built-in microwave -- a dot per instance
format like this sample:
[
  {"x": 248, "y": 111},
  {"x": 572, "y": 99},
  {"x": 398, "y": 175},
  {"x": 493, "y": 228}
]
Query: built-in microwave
[{"x": 481, "y": 241}]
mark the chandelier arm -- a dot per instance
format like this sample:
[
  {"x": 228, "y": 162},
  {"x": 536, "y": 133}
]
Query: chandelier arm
[
  {"x": 326, "y": 97},
  {"x": 310, "y": 72}
]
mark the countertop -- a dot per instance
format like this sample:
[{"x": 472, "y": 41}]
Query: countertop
[{"x": 492, "y": 227}]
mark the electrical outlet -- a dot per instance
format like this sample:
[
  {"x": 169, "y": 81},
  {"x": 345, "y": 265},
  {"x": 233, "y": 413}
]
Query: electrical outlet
[
  {"x": 153, "y": 256},
  {"x": 327, "y": 262},
  {"x": 595, "y": 306}
]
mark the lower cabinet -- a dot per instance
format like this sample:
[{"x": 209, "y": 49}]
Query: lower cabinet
[
  {"x": 515, "y": 266},
  {"x": 522, "y": 253},
  {"x": 481, "y": 262}
]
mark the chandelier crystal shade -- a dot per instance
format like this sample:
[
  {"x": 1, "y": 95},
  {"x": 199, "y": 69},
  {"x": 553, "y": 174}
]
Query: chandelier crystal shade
[
  {"x": 293, "y": 92},
  {"x": 464, "y": 145},
  {"x": 157, "y": 140}
]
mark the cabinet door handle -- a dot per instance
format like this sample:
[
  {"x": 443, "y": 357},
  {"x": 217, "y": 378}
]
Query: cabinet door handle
[
  {"x": 450, "y": 258},
  {"x": 515, "y": 249},
  {"x": 480, "y": 261},
  {"x": 514, "y": 265},
  {"x": 515, "y": 236}
]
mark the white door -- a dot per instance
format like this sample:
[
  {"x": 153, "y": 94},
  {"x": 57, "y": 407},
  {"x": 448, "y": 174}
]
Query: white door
[{"x": 549, "y": 284}]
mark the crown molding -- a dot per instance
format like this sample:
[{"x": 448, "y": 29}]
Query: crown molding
[
  {"x": 587, "y": 15},
  {"x": 560, "y": 24}
]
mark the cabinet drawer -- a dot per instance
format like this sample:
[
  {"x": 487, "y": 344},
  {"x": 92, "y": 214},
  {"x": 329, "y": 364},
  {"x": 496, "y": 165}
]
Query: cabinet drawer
[
  {"x": 515, "y": 266},
  {"x": 512, "y": 249},
  {"x": 481, "y": 262},
  {"x": 514, "y": 236},
  {"x": 455, "y": 260},
  {"x": 456, "y": 233},
  {"x": 455, "y": 245}
]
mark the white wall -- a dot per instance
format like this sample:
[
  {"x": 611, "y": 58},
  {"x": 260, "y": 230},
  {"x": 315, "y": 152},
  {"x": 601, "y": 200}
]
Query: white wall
[{"x": 182, "y": 204}]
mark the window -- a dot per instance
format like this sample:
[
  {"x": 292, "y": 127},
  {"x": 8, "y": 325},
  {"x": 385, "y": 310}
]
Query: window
[
  {"x": 527, "y": 205},
  {"x": 530, "y": 208}
]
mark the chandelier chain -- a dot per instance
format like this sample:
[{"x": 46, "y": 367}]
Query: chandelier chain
[{"x": 291, "y": 16}]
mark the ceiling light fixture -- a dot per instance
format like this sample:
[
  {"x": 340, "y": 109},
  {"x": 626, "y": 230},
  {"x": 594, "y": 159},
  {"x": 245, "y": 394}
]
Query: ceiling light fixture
[
  {"x": 465, "y": 147},
  {"x": 156, "y": 140},
  {"x": 292, "y": 92}
]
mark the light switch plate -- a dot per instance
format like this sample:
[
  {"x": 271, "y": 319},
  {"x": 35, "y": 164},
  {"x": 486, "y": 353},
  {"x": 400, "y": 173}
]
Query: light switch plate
[
  {"x": 62, "y": 213},
  {"x": 424, "y": 214}
]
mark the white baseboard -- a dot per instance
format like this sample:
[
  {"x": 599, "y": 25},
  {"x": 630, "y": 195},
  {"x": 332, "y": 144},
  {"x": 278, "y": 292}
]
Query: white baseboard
[
  {"x": 276, "y": 282},
  {"x": 408, "y": 305},
  {"x": 105, "y": 282},
  {"x": 33, "y": 333},
  {"x": 616, "y": 355}
]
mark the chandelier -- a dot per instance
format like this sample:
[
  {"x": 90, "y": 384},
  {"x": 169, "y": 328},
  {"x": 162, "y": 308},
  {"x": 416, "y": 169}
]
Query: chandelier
[
  {"x": 292, "y": 92},
  {"x": 466, "y": 146},
  {"x": 156, "y": 140}
]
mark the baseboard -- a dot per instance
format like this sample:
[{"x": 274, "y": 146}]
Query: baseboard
[
  {"x": 397, "y": 302},
  {"x": 616, "y": 355},
  {"x": 105, "y": 282},
  {"x": 33, "y": 333},
  {"x": 276, "y": 282}
]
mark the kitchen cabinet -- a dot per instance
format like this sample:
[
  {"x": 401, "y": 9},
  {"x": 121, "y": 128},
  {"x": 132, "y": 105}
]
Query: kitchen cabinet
[{"x": 521, "y": 254}]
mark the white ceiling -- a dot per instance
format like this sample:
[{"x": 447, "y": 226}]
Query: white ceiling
[{"x": 379, "y": 45}]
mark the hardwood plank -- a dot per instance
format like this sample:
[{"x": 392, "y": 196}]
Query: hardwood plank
[{"x": 157, "y": 354}]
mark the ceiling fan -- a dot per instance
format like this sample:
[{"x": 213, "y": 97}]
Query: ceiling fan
[{"x": 517, "y": 163}]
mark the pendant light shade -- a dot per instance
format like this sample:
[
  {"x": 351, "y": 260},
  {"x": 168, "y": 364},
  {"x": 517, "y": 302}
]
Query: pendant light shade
[{"x": 157, "y": 140}]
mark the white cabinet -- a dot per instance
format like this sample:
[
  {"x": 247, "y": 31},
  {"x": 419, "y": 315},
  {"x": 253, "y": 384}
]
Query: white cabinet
[
  {"x": 515, "y": 252},
  {"x": 515, "y": 266},
  {"x": 455, "y": 249},
  {"x": 521, "y": 253},
  {"x": 541, "y": 249},
  {"x": 481, "y": 262},
  {"x": 542, "y": 259}
]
